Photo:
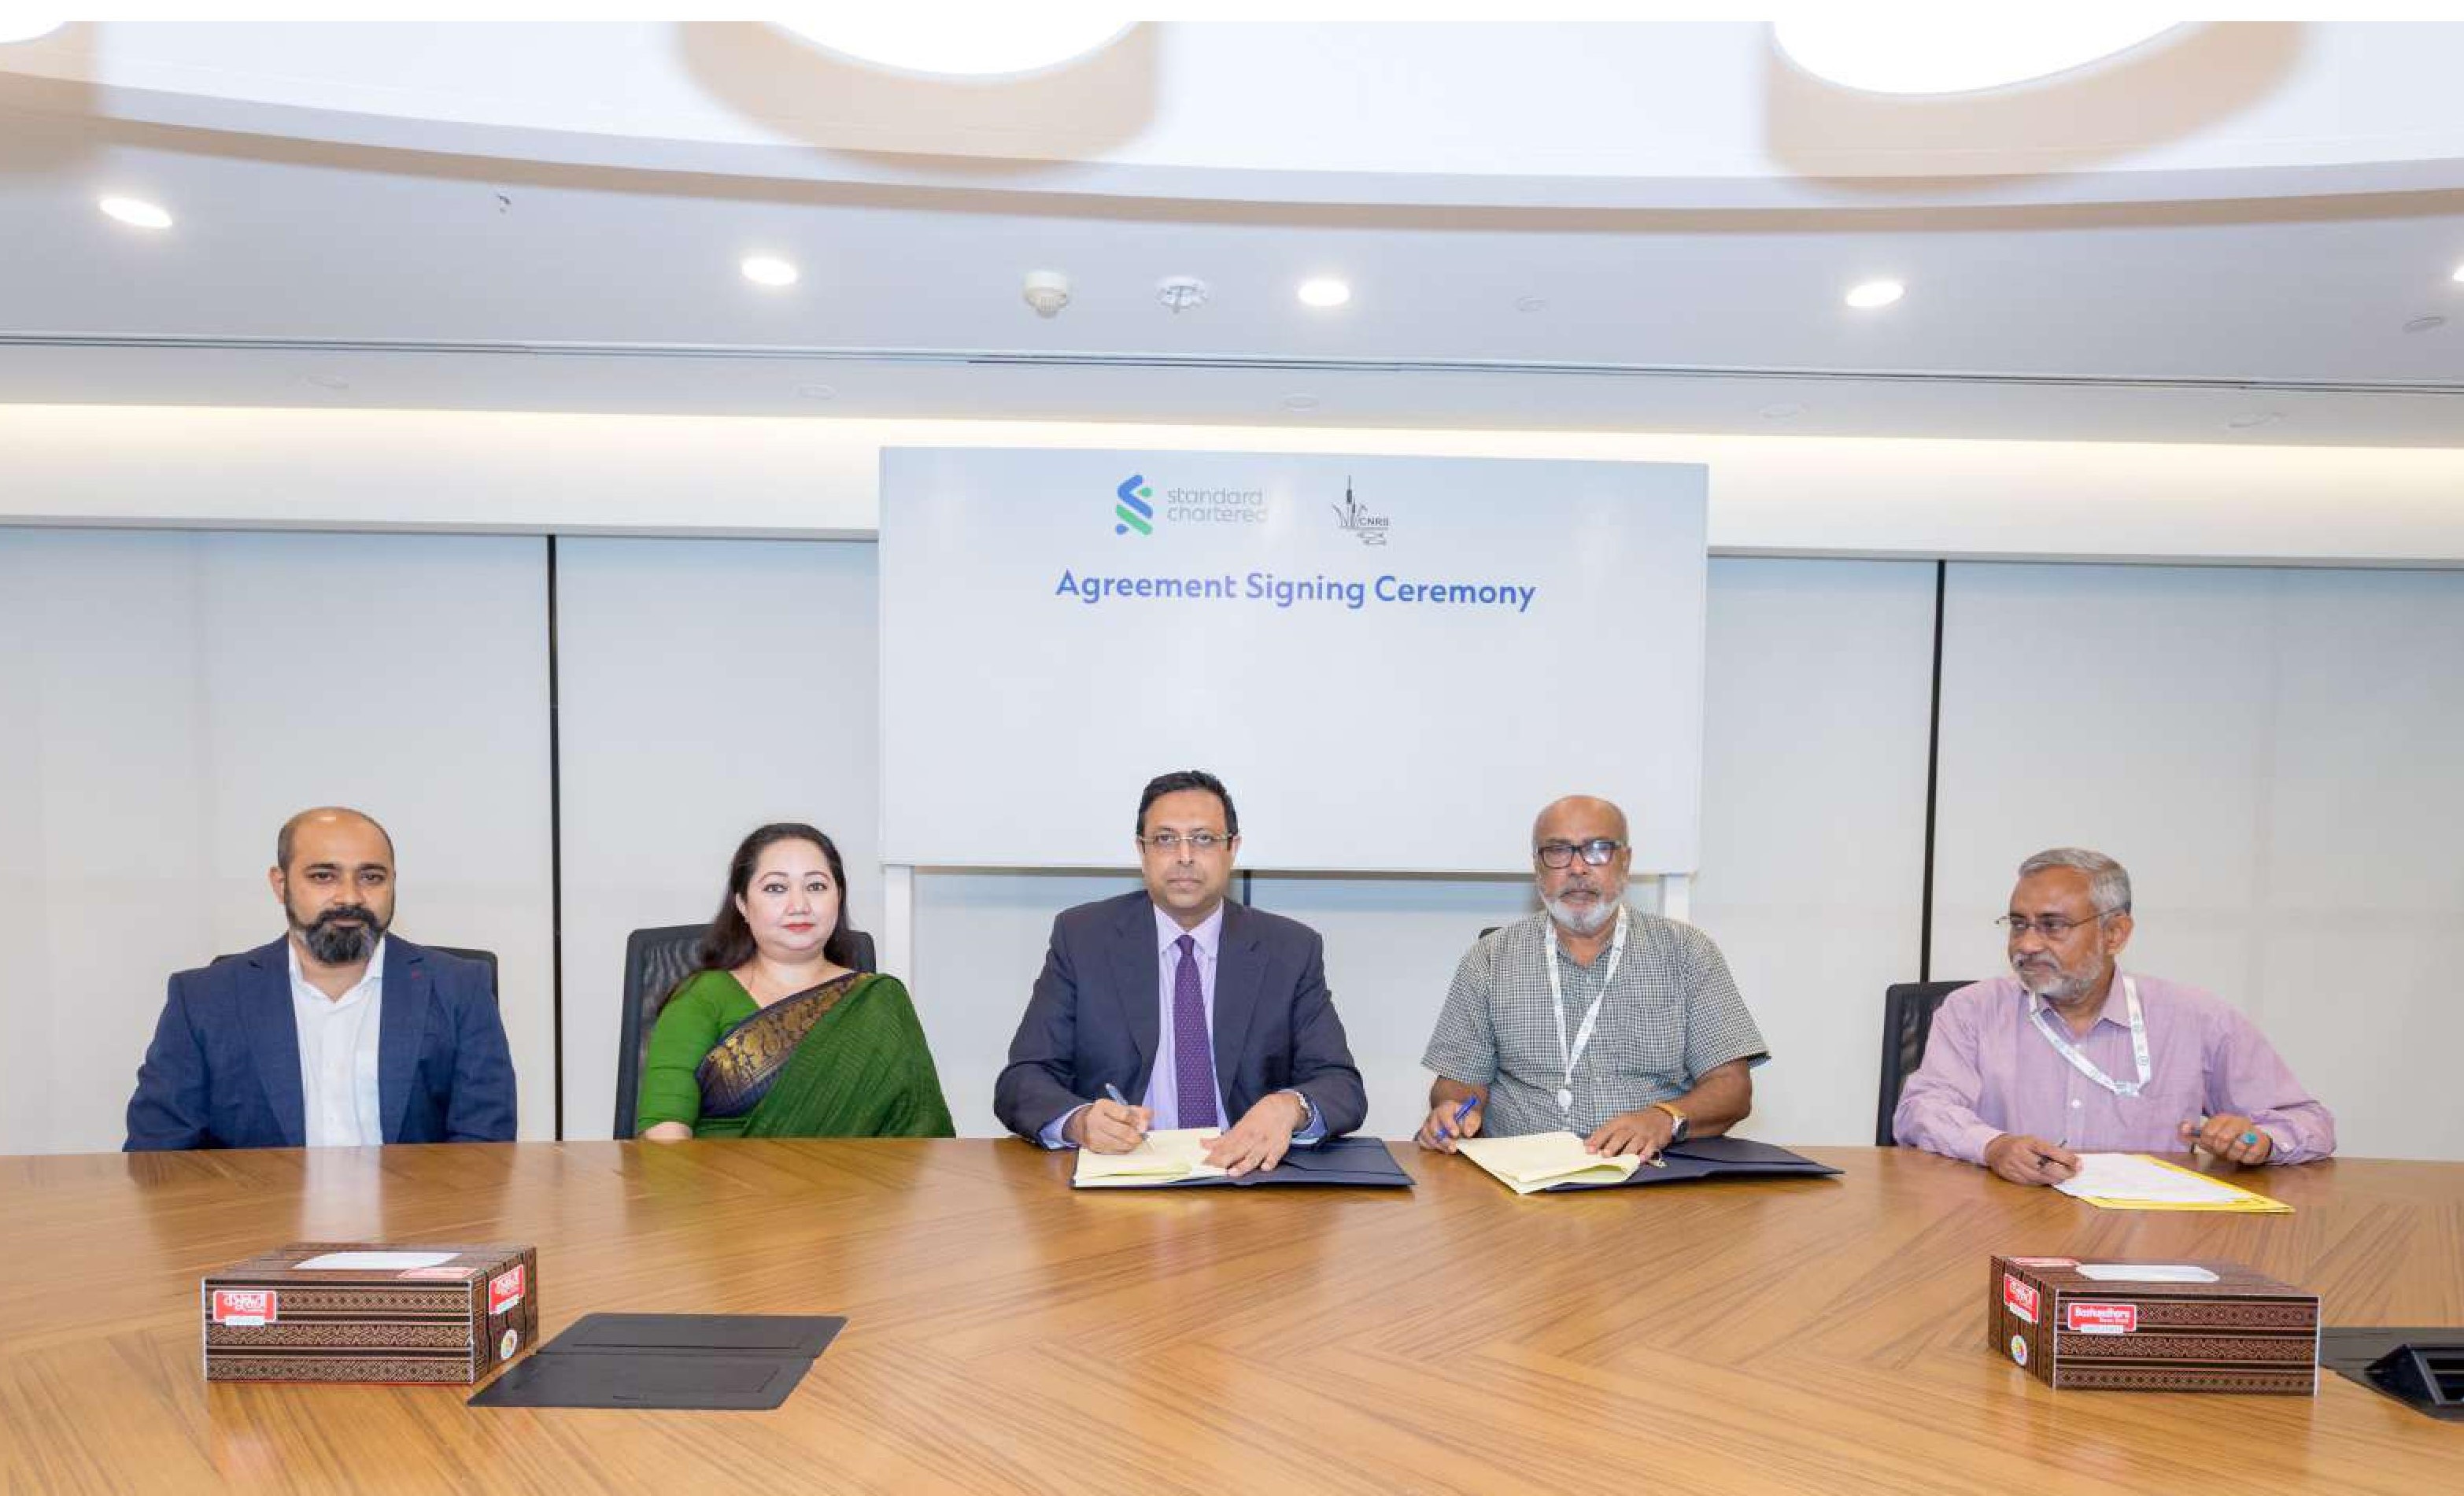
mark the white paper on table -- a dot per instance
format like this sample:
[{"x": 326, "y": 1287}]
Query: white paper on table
[
  {"x": 2145, "y": 1272},
  {"x": 2136, "y": 1177},
  {"x": 361, "y": 1262},
  {"x": 1173, "y": 1153}
]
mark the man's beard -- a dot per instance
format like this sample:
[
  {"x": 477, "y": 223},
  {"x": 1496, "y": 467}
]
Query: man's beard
[
  {"x": 1577, "y": 918},
  {"x": 344, "y": 934},
  {"x": 2057, "y": 986}
]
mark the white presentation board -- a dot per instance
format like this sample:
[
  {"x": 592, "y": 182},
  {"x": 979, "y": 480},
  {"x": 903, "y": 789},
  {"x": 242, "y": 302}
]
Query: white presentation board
[{"x": 1392, "y": 662}]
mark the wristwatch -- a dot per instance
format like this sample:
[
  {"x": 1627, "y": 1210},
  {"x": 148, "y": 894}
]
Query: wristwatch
[{"x": 1676, "y": 1114}]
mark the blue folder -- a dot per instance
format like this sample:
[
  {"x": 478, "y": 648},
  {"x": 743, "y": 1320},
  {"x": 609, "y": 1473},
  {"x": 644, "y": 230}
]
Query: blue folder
[
  {"x": 1342, "y": 1160},
  {"x": 1714, "y": 1158}
]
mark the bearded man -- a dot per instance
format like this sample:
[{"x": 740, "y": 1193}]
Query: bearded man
[
  {"x": 1591, "y": 1017},
  {"x": 2070, "y": 1055},
  {"x": 336, "y": 1035}
]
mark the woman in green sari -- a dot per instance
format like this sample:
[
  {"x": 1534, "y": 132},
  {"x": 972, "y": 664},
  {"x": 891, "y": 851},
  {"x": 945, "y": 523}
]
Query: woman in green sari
[{"x": 776, "y": 1034}]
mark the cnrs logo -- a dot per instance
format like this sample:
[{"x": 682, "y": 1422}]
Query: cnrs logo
[{"x": 1136, "y": 510}]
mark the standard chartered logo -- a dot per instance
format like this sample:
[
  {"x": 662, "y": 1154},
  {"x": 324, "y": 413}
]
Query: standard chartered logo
[{"x": 1134, "y": 512}]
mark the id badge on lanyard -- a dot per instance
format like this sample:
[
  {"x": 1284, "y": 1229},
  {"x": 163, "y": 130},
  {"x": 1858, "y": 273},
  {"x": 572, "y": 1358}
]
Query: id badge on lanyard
[
  {"x": 2088, "y": 1067},
  {"x": 1573, "y": 1056}
]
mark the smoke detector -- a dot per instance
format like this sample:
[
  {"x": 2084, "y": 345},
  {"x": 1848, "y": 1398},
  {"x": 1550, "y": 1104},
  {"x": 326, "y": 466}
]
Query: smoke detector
[{"x": 1048, "y": 291}]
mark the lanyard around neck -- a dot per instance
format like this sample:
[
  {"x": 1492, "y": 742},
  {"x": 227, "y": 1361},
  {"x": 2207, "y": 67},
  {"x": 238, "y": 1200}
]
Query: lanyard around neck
[
  {"x": 1573, "y": 1056},
  {"x": 2089, "y": 1067}
]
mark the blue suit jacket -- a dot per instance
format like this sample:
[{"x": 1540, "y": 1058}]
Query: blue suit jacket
[
  {"x": 1094, "y": 1016},
  {"x": 223, "y": 1071}
]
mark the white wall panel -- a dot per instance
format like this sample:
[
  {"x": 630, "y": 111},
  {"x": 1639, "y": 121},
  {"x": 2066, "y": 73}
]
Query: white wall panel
[
  {"x": 705, "y": 686},
  {"x": 2272, "y": 755},
  {"x": 1813, "y": 791},
  {"x": 167, "y": 700}
]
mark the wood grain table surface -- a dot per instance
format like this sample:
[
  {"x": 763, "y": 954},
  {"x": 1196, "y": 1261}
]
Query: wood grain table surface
[{"x": 1006, "y": 1333}]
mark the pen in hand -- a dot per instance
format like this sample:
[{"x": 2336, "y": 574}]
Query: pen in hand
[
  {"x": 1454, "y": 1125},
  {"x": 1114, "y": 1091}
]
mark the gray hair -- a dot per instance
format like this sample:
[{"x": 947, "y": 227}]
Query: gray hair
[{"x": 2109, "y": 886}]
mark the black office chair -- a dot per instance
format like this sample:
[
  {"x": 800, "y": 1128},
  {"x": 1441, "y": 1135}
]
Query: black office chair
[
  {"x": 487, "y": 959},
  {"x": 655, "y": 960},
  {"x": 1908, "y": 1018}
]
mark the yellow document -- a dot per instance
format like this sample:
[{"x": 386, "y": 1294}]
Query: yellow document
[
  {"x": 1539, "y": 1160},
  {"x": 1177, "y": 1153},
  {"x": 2141, "y": 1181}
]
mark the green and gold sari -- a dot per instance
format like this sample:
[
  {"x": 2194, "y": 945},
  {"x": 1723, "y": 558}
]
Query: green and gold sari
[{"x": 845, "y": 1059}]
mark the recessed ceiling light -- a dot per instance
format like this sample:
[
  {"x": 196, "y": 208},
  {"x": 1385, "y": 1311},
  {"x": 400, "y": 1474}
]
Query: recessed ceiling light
[
  {"x": 768, "y": 270},
  {"x": 136, "y": 212},
  {"x": 2252, "y": 420},
  {"x": 1325, "y": 291},
  {"x": 2459, "y": 273},
  {"x": 1300, "y": 402},
  {"x": 1876, "y": 293},
  {"x": 26, "y": 29},
  {"x": 332, "y": 382}
]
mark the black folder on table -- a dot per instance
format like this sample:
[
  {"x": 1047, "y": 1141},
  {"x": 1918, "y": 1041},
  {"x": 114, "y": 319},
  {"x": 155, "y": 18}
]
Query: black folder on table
[
  {"x": 1340, "y": 1160},
  {"x": 701, "y": 1361},
  {"x": 1714, "y": 1158}
]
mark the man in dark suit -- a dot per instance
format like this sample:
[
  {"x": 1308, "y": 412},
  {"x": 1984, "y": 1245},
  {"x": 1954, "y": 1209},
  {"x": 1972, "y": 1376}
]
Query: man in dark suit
[
  {"x": 1204, "y": 1010},
  {"x": 335, "y": 1035}
]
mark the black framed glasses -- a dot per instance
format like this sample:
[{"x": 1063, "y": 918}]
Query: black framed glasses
[
  {"x": 1169, "y": 842},
  {"x": 1558, "y": 855},
  {"x": 2052, "y": 927}
]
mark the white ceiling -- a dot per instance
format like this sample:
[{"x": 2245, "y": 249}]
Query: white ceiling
[{"x": 309, "y": 272}]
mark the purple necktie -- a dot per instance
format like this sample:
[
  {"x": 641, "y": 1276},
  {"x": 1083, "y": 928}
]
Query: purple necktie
[{"x": 1193, "y": 1058}]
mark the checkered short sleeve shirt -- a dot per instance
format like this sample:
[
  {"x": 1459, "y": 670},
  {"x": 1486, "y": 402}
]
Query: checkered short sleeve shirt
[{"x": 1672, "y": 1014}]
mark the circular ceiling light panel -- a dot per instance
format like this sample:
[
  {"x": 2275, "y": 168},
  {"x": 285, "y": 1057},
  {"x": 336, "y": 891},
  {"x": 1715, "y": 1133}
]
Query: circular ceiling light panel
[
  {"x": 136, "y": 212},
  {"x": 1966, "y": 56},
  {"x": 14, "y": 28},
  {"x": 928, "y": 44},
  {"x": 768, "y": 270},
  {"x": 1871, "y": 294}
]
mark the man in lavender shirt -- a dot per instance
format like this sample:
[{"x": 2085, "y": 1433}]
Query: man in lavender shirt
[{"x": 2068, "y": 1055}]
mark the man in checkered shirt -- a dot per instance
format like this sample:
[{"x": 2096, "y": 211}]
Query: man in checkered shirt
[{"x": 1652, "y": 1043}]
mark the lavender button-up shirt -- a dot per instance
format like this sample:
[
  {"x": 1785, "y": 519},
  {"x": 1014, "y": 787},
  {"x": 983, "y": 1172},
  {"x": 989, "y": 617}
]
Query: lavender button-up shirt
[{"x": 1988, "y": 1071}]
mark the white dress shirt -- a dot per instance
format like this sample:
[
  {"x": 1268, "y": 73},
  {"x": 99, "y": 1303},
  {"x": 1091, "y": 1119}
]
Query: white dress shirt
[{"x": 338, "y": 1055}]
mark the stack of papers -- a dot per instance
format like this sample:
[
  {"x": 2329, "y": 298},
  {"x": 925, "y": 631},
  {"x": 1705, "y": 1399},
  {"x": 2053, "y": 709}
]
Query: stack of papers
[
  {"x": 2139, "y": 1181},
  {"x": 1177, "y": 1153},
  {"x": 1539, "y": 1160}
]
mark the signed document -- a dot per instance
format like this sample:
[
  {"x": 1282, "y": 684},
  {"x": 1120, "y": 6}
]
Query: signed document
[
  {"x": 1537, "y": 1160},
  {"x": 2138, "y": 1181},
  {"x": 1178, "y": 1154}
]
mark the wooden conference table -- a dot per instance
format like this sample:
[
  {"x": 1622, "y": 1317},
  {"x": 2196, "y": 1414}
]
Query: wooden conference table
[{"x": 1006, "y": 1333}]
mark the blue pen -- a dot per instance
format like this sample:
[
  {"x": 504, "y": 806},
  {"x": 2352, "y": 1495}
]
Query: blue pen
[
  {"x": 1454, "y": 1129},
  {"x": 1114, "y": 1091}
]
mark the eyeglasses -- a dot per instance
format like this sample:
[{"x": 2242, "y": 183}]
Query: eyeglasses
[
  {"x": 2052, "y": 927},
  {"x": 1558, "y": 855},
  {"x": 1169, "y": 842}
]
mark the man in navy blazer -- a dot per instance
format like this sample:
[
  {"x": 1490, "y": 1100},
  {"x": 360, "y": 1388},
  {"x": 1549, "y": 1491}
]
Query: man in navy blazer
[
  {"x": 1210, "y": 1014},
  {"x": 337, "y": 1034}
]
